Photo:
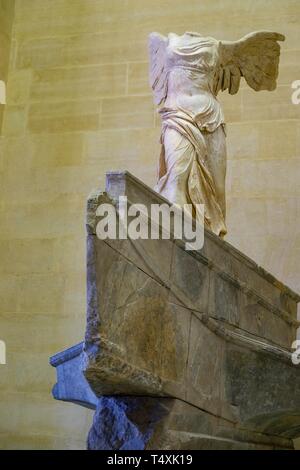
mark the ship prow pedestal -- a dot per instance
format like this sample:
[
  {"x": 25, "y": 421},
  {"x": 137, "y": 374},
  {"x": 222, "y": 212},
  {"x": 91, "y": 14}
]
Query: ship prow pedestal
[{"x": 183, "y": 349}]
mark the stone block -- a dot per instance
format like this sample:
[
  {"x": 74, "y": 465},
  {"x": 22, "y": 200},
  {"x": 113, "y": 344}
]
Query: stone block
[
  {"x": 78, "y": 83},
  {"x": 189, "y": 280},
  {"x": 224, "y": 300},
  {"x": 138, "y": 83},
  {"x": 63, "y": 116},
  {"x": 203, "y": 336}
]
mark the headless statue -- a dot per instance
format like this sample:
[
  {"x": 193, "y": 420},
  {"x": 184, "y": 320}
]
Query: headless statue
[{"x": 186, "y": 74}]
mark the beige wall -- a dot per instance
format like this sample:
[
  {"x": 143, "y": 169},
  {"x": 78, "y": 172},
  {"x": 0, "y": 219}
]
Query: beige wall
[
  {"x": 78, "y": 105},
  {"x": 6, "y": 20}
]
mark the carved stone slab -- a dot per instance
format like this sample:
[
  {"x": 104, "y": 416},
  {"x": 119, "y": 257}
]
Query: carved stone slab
[{"x": 205, "y": 335}]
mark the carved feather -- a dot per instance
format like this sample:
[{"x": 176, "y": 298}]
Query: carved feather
[
  {"x": 254, "y": 57},
  {"x": 158, "y": 75}
]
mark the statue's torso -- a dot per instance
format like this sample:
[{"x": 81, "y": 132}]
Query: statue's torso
[{"x": 191, "y": 62}]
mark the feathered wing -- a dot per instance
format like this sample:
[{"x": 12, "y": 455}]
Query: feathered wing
[
  {"x": 158, "y": 76},
  {"x": 254, "y": 57}
]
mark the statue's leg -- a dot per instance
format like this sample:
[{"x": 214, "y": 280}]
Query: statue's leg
[
  {"x": 178, "y": 159},
  {"x": 216, "y": 162}
]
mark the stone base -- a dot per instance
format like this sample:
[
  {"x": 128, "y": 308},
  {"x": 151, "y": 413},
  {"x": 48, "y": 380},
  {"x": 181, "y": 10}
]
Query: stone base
[
  {"x": 133, "y": 423},
  {"x": 203, "y": 337}
]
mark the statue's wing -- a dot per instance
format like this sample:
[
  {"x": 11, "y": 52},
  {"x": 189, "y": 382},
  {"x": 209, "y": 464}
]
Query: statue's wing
[
  {"x": 158, "y": 75},
  {"x": 254, "y": 57}
]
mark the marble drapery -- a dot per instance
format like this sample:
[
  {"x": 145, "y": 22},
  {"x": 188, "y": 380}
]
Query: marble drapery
[
  {"x": 186, "y": 74},
  {"x": 184, "y": 173}
]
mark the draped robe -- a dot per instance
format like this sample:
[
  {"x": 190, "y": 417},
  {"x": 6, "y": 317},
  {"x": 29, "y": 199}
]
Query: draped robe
[{"x": 187, "y": 172}]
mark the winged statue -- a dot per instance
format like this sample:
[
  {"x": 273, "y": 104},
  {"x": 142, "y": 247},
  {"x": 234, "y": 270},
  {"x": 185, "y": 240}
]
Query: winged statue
[{"x": 186, "y": 74}]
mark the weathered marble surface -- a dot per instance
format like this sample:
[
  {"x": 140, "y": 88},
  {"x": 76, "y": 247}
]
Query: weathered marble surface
[
  {"x": 186, "y": 73},
  {"x": 207, "y": 333}
]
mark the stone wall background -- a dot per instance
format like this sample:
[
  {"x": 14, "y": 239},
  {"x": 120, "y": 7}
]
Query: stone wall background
[
  {"x": 79, "y": 104},
  {"x": 6, "y": 20}
]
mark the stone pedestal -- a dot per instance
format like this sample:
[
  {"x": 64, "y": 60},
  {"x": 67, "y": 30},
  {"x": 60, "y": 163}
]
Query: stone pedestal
[{"x": 183, "y": 349}]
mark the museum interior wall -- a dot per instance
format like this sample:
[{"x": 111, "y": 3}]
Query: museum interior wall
[
  {"x": 6, "y": 20},
  {"x": 78, "y": 105}
]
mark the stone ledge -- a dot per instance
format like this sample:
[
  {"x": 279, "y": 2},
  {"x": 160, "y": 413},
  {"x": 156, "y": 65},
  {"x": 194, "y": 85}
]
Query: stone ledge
[{"x": 208, "y": 329}]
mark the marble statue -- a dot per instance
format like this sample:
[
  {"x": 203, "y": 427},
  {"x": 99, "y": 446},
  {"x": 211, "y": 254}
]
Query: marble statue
[{"x": 186, "y": 74}]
